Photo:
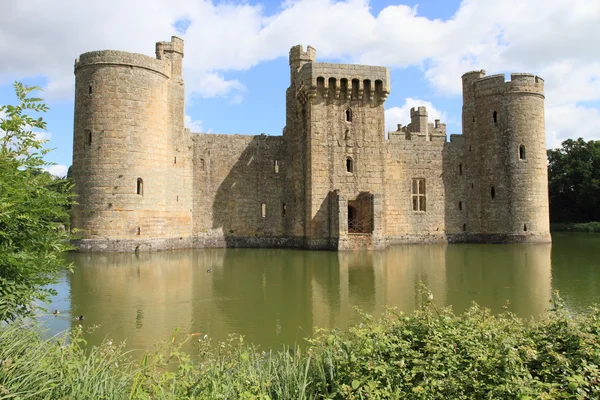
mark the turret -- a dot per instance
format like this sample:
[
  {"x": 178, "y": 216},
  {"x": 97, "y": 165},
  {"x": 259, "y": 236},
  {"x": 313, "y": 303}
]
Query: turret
[
  {"x": 299, "y": 57},
  {"x": 173, "y": 52},
  {"x": 124, "y": 156},
  {"x": 505, "y": 156},
  {"x": 418, "y": 120}
]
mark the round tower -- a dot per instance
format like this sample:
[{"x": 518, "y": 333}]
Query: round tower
[
  {"x": 505, "y": 157},
  {"x": 526, "y": 158},
  {"x": 121, "y": 145}
]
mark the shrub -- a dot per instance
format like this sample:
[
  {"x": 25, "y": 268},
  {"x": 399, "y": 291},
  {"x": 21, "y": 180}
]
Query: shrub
[{"x": 429, "y": 354}]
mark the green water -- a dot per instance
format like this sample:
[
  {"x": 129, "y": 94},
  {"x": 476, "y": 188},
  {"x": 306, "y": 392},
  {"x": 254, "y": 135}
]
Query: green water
[{"x": 275, "y": 297}]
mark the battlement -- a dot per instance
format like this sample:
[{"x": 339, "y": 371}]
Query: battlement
[
  {"x": 519, "y": 83},
  {"x": 419, "y": 127},
  {"x": 174, "y": 46},
  {"x": 297, "y": 54},
  {"x": 121, "y": 58},
  {"x": 345, "y": 81},
  {"x": 418, "y": 112}
]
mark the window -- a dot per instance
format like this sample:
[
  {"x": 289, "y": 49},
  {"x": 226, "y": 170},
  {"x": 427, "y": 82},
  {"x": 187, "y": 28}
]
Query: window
[
  {"x": 460, "y": 205},
  {"x": 349, "y": 115},
  {"x": 459, "y": 169},
  {"x": 464, "y": 227},
  {"x": 524, "y": 227},
  {"x": 283, "y": 209},
  {"x": 522, "y": 154},
  {"x": 202, "y": 164},
  {"x": 349, "y": 166},
  {"x": 276, "y": 166},
  {"x": 88, "y": 134},
  {"x": 138, "y": 231},
  {"x": 418, "y": 194},
  {"x": 493, "y": 192},
  {"x": 263, "y": 210},
  {"x": 90, "y": 89},
  {"x": 495, "y": 116},
  {"x": 140, "y": 186}
]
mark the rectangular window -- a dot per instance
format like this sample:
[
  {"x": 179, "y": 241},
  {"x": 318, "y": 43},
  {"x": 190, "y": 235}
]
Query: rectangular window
[
  {"x": 283, "y": 209},
  {"x": 263, "y": 210},
  {"x": 276, "y": 164},
  {"x": 418, "y": 194}
]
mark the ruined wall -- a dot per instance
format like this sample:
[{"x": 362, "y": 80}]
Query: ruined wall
[{"x": 235, "y": 175}]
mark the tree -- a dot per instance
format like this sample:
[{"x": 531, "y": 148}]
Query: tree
[
  {"x": 32, "y": 210},
  {"x": 574, "y": 181}
]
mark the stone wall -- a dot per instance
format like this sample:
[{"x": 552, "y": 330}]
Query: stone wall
[
  {"x": 409, "y": 159},
  {"x": 238, "y": 187}
]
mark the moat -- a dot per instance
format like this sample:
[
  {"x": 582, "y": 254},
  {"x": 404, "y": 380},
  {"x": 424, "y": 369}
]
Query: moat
[{"x": 275, "y": 297}]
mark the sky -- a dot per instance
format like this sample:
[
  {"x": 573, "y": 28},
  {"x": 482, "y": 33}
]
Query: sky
[{"x": 236, "y": 54}]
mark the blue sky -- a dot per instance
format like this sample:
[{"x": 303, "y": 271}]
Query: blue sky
[{"x": 236, "y": 68}]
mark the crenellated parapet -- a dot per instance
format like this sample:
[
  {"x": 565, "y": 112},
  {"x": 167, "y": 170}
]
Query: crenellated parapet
[
  {"x": 520, "y": 83},
  {"x": 337, "y": 82},
  {"x": 121, "y": 58},
  {"x": 173, "y": 53}
]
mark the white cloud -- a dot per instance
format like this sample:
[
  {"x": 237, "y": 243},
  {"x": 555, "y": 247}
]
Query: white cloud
[
  {"x": 555, "y": 39},
  {"x": 401, "y": 115},
  {"x": 571, "y": 122},
  {"x": 192, "y": 125},
  {"x": 57, "y": 170}
]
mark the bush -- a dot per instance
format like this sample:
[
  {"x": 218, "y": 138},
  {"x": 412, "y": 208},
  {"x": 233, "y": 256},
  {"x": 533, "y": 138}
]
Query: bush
[
  {"x": 430, "y": 354},
  {"x": 587, "y": 227},
  {"x": 33, "y": 210}
]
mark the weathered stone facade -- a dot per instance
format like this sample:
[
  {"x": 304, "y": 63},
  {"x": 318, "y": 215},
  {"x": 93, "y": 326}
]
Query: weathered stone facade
[{"x": 331, "y": 181}]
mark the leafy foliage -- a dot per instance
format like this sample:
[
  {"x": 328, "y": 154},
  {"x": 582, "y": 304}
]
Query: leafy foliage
[
  {"x": 429, "y": 354},
  {"x": 33, "y": 210},
  {"x": 574, "y": 181},
  {"x": 587, "y": 227}
]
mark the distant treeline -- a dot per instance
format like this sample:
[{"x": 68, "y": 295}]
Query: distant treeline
[{"x": 574, "y": 185}]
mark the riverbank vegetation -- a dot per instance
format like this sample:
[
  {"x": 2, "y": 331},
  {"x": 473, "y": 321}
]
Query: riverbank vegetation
[
  {"x": 429, "y": 354},
  {"x": 587, "y": 227},
  {"x": 33, "y": 209},
  {"x": 574, "y": 184}
]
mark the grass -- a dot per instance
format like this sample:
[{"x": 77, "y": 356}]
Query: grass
[
  {"x": 429, "y": 354},
  {"x": 588, "y": 227}
]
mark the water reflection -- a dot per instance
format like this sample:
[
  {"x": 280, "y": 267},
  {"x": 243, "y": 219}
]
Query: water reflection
[{"x": 280, "y": 296}]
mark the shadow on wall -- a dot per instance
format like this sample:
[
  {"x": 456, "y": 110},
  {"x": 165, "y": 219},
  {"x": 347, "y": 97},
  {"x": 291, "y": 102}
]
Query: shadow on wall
[
  {"x": 458, "y": 198},
  {"x": 252, "y": 205},
  {"x": 249, "y": 200}
]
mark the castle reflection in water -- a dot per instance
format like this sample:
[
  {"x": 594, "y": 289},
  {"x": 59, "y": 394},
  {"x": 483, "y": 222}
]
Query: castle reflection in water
[{"x": 275, "y": 296}]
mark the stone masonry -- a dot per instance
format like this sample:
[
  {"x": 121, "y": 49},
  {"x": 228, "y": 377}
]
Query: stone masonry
[{"x": 334, "y": 179}]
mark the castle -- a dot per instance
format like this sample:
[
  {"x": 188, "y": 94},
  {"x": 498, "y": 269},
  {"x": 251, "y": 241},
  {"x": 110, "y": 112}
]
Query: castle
[{"x": 331, "y": 181}]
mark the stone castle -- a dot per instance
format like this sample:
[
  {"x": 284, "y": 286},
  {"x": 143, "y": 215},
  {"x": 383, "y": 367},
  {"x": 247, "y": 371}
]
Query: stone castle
[{"x": 333, "y": 180}]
